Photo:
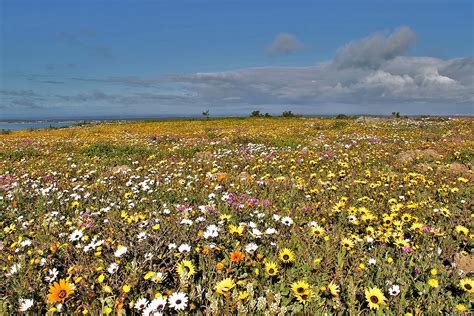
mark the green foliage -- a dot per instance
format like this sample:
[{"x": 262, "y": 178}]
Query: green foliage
[
  {"x": 287, "y": 114},
  {"x": 108, "y": 150},
  {"x": 339, "y": 124},
  {"x": 20, "y": 154}
]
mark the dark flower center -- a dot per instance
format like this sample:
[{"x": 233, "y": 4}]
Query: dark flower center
[
  {"x": 468, "y": 286},
  {"x": 286, "y": 257},
  {"x": 374, "y": 299},
  {"x": 300, "y": 290},
  {"x": 62, "y": 294},
  {"x": 178, "y": 302}
]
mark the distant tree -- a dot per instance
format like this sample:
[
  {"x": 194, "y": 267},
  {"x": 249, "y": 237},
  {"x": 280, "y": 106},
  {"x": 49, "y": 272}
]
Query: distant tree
[
  {"x": 206, "y": 114},
  {"x": 341, "y": 117},
  {"x": 255, "y": 113},
  {"x": 287, "y": 114},
  {"x": 397, "y": 115},
  {"x": 267, "y": 115}
]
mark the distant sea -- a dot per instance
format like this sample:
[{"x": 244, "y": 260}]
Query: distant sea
[{"x": 27, "y": 125}]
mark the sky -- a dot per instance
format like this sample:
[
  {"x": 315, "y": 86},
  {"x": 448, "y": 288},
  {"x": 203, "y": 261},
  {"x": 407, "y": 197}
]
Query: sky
[{"x": 144, "y": 58}]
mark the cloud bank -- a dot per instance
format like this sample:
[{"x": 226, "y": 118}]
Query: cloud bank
[
  {"x": 368, "y": 71},
  {"x": 369, "y": 75}
]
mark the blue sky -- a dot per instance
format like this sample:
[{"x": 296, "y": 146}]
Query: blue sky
[{"x": 84, "y": 58}]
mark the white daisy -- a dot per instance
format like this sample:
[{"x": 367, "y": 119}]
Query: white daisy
[
  {"x": 251, "y": 248},
  {"x": 25, "y": 243},
  {"x": 25, "y": 304},
  {"x": 394, "y": 290},
  {"x": 178, "y": 301},
  {"x": 211, "y": 231},
  {"x": 352, "y": 218},
  {"x": 158, "y": 304},
  {"x": 149, "y": 311},
  {"x": 270, "y": 231},
  {"x": 121, "y": 250},
  {"x": 141, "y": 304},
  {"x": 256, "y": 233},
  {"x": 184, "y": 248},
  {"x": 113, "y": 267},
  {"x": 76, "y": 235},
  {"x": 53, "y": 274},
  {"x": 186, "y": 221},
  {"x": 287, "y": 221},
  {"x": 141, "y": 236},
  {"x": 15, "y": 268}
]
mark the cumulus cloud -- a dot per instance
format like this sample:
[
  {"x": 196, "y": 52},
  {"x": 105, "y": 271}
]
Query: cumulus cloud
[
  {"x": 369, "y": 71},
  {"x": 374, "y": 50},
  {"x": 283, "y": 44}
]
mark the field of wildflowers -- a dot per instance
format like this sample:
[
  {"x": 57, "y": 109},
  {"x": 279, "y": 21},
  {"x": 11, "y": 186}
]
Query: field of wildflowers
[{"x": 239, "y": 216}]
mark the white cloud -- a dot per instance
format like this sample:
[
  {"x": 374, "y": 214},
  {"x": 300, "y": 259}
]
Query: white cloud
[{"x": 369, "y": 71}]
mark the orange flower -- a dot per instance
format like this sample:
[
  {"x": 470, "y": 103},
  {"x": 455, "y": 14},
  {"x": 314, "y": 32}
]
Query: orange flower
[
  {"x": 119, "y": 306},
  {"x": 219, "y": 266},
  {"x": 60, "y": 291},
  {"x": 236, "y": 256},
  {"x": 205, "y": 250},
  {"x": 53, "y": 248}
]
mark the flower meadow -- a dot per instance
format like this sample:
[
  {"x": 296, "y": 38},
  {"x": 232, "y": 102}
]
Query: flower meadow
[{"x": 256, "y": 216}]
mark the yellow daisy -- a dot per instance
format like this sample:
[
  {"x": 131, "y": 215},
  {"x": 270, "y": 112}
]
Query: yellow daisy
[
  {"x": 374, "y": 297},
  {"x": 185, "y": 269},
  {"x": 286, "y": 255},
  {"x": 225, "y": 287},
  {"x": 271, "y": 268},
  {"x": 467, "y": 285}
]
